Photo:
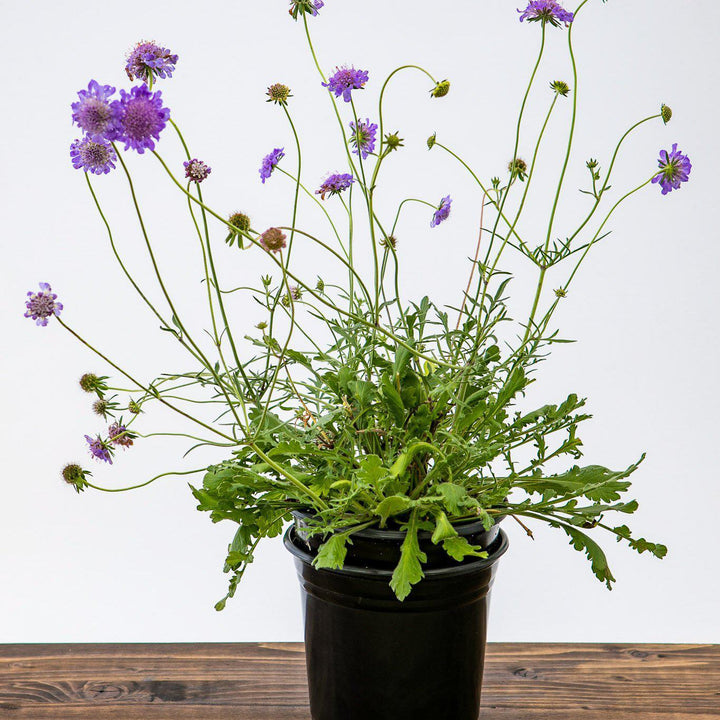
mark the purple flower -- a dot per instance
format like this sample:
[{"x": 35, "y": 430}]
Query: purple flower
[
  {"x": 546, "y": 11},
  {"x": 363, "y": 137},
  {"x": 675, "y": 169},
  {"x": 345, "y": 80},
  {"x": 196, "y": 170},
  {"x": 94, "y": 113},
  {"x": 142, "y": 117},
  {"x": 335, "y": 184},
  {"x": 99, "y": 449},
  {"x": 93, "y": 155},
  {"x": 42, "y": 305},
  {"x": 119, "y": 435},
  {"x": 443, "y": 211},
  {"x": 298, "y": 7},
  {"x": 148, "y": 60},
  {"x": 270, "y": 162}
]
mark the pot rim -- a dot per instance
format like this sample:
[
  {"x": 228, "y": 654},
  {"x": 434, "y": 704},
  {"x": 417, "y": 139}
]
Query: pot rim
[
  {"x": 466, "y": 527},
  {"x": 430, "y": 574}
]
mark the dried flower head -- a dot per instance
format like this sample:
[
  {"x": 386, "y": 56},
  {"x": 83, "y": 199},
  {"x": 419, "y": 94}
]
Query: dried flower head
[
  {"x": 120, "y": 436},
  {"x": 142, "y": 117},
  {"x": 91, "y": 383},
  {"x": 560, "y": 87},
  {"x": 443, "y": 211},
  {"x": 93, "y": 155},
  {"x": 101, "y": 407},
  {"x": 94, "y": 113},
  {"x": 441, "y": 89},
  {"x": 279, "y": 94},
  {"x": 364, "y": 137},
  {"x": 74, "y": 475},
  {"x": 148, "y": 60},
  {"x": 389, "y": 242},
  {"x": 665, "y": 113},
  {"x": 42, "y": 305},
  {"x": 518, "y": 169},
  {"x": 546, "y": 11},
  {"x": 346, "y": 79},
  {"x": 273, "y": 240},
  {"x": 240, "y": 221},
  {"x": 335, "y": 184},
  {"x": 675, "y": 169},
  {"x": 270, "y": 162},
  {"x": 196, "y": 170}
]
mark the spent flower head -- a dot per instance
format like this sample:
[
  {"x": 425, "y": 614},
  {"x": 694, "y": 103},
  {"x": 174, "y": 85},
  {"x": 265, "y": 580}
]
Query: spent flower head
[
  {"x": 147, "y": 60},
  {"x": 546, "y": 11},
  {"x": 335, "y": 184},
  {"x": 442, "y": 212},
  {"x": 42, "y": 305},
  {"x": 273, "y": 240},
  {"x": 441, "y": 89},
  {"x": 675, "y": 169},
  {"x": 518, "y": 169},
  {"x": 364, "y": 137},
  {"x": 91, "y": 383},
  {"x": 120, "y": 436},
  {"x": 94, "y": 113},
  {"x": 74, "y": 475},
  {"x": 346, "y": 79},
  {"x": 270, "y": 162},
  {"x": 142, "y": 117},
  {"x": 196, "y": 170},
  {"x": 93, "y": 154},
  {"x": 278, "y": 94}
]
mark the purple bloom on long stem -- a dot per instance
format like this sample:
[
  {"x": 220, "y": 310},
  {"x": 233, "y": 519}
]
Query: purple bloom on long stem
[
  {"x": 42, "y": 305},
  {"x": 675, "y": 169},
  {"x": 546, "y": 11},
  {"x": 335, "y": 184},
  {"x": 345, "y": 80},
  {"x": 148, "y": 60},
  {"x": 363, "y": 137},
  {"x": 196, "y": 170},
  {"x": 142, "y": 117},
  {"x": 443, "y": 211},
  {"x": 93, "y": 155},
  {"x": 298, "y": 7},
  {"x": 99, "y": 449},
  {"x": 94, "y": 113},
  {"x": 270, "y": 162}
]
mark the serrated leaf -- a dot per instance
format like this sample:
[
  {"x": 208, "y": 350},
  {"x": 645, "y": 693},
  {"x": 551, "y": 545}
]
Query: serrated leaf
[
  {"x": 392, "y": 506},
  {"x": 580, "y": 541},
  {"x": 409, "y": 570},
  {"x": 458, "y": 548},
  {"x": 371, "y": 471},
  {"x": 332, "y": 553}
]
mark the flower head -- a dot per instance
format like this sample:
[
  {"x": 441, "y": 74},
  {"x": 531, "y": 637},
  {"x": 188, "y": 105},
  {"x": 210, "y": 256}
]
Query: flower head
[
  {"x": 42, "y": 305},
  {"x": 142, "y": 117},
  {"x": 148, "y": 60},
  {"x": 546, "y": 11},
  {"x": 518, "y": 169},
  {"x": 99, "y": 449},
  {"x": 134, "y": 407},
  {"x": 394, "y": 141},
  {"x": 441, "y": 89},
  {"x": 431, "y": 141},
  {"x": 302, "y": 7},
  {"x": 94, "y": 113},
  {"x": 119, "y": 435},
  {"x": 91, "y": 383},
  {"x": 273, "y": 240},
  {"x": 74, "y": 475},
  {"x": 196, "y": 170},
  {"x": 560, "y": 87},
  {"x": 101, "y": 407},
  {"x": 363, "y": 137},
  {"x": 278, "y": 94},
  {"x": 335, "y": 184},
  {"x": 675, "y": 169},
  {"x": 93, "y": 155},
  {"x": 443, "y": 211},
  {"x": 666, "y": 113},
  {"x": 270, "y": 162},
  {"x": 345, "y": 80}
]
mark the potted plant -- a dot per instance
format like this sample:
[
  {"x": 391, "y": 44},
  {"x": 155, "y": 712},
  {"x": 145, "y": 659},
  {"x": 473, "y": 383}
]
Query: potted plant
[{"x": 390, "y": 432}]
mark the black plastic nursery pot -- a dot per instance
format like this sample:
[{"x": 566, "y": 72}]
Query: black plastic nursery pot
[{"x": 372, "y": 657}]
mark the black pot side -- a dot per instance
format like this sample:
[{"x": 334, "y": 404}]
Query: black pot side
[{"x": 372, "y": 657}]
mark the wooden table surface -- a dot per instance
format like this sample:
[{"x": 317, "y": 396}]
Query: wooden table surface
[{"x": 267, "y": 682}]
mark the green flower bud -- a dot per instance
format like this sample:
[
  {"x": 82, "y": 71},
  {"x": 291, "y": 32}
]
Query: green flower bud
[
  {"x": 74, "y": 475},
  {"x": 441, "y": 89},
  {"x": 393, "y": 141},
  {"x": 134, "y": 407},
  {"x": 560, "y": 87},
  {"x": 279, "y": 94},
  {"x": 561, "y": 293},
  {"x": 90, "y": 383},
  {"x": 240, "y": 226},
  {"x": 666, "y": 113},
  {"x": 431, "y": 141}
]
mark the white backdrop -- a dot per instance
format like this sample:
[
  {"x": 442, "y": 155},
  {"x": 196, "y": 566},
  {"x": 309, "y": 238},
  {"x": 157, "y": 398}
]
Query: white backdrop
[{"x": 146, "y": 566}]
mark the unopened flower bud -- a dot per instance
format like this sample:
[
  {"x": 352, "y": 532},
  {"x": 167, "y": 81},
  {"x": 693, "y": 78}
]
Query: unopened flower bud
[
  {"x": 393, "y": 141},
  {"x": 90, "y": 383},
  {"x": 665, "y": 113},
  {"x": 560, "y": 87},
  {"x": 431, "y": 141},
  {"x": 441, "y": 89}
]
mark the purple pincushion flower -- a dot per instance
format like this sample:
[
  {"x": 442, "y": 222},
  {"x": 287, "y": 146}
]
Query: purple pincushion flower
[
  {"x": 94, "y": 155},
  {"x": 675, "y": 169},
  {"x": 42, "y": 305},
  {"x": 335, "y": 184},
  {"x": 546, "y": 11},
  {"x": 363, "y": 137},
  {"x": 345, "y": 80},
  {"x": 148, "y": 60},
  {"x": 270, "y": 162},
  {"x": 142, "y": 117},
  {"x": 119, "y": 435},
  {"x": 443, "y": 211},
  {"x": 94, "y": 113},
  {"x": 99, "y": 449},
  {"x": 196, "y": 170},
  {"x": 298, "y": 7}
]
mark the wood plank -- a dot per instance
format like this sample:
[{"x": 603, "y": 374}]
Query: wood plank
[{"x": 267, "y": 681}]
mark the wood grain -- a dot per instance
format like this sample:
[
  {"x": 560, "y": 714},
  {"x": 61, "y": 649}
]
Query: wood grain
[{"x": 267, "y": 682}]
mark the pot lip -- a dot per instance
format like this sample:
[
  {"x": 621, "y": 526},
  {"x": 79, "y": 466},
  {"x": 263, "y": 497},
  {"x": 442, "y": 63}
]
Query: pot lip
[
  {"x": 431, "y": 574},
  {"x": 465, "y": 528}
]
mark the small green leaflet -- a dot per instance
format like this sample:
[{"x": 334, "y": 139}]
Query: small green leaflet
[
  {"x": 332, "y": 553},
  {"x": 409, "y": 570}
]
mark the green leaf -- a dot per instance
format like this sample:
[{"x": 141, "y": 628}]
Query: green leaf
[
  {"x": 393, "y": 401},
  {"x": 332, "y": 553},
  {"x": 392, "y": 506},
  {"x": 458, "y": 548},
  {"x": 443, "y": 529},
  {"x": 371, "y": 471},
  {"x": 409, "y": 570},
  {"x": 580, "y": 541},
  {"x": 455, "y": 497}
]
